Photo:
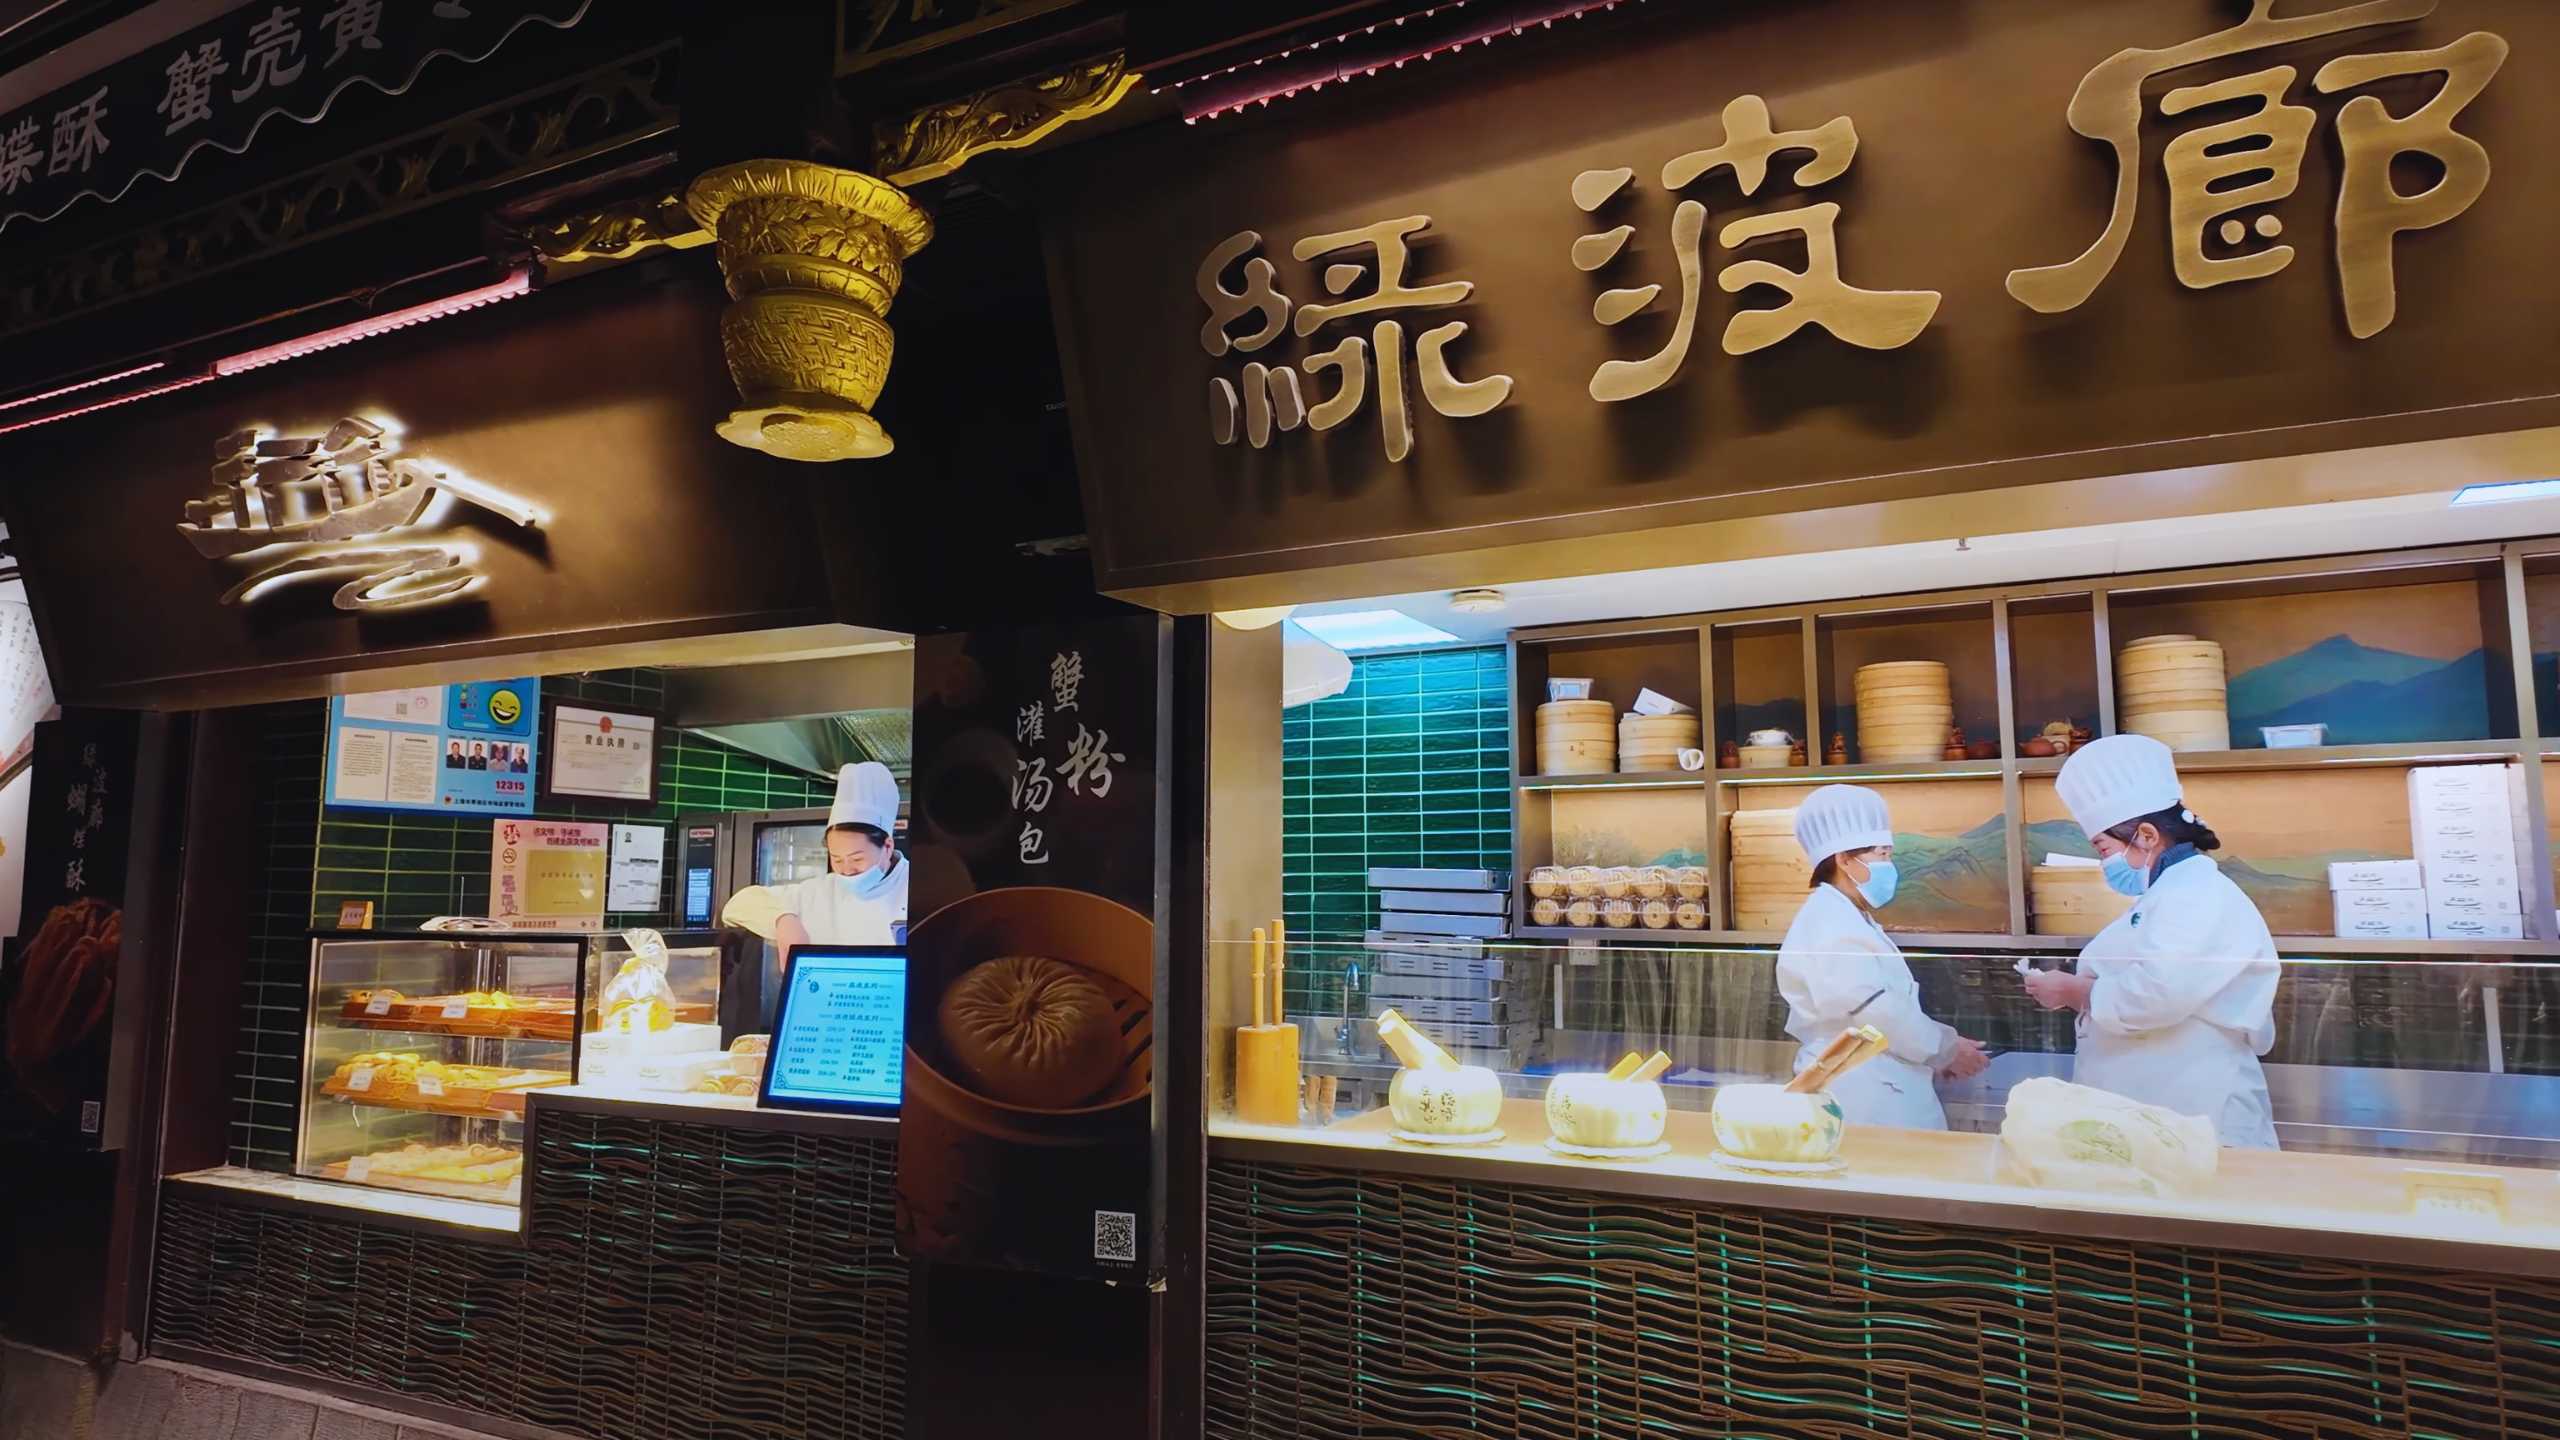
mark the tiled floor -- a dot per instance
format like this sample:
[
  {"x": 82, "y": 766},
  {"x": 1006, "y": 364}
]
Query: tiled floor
[{"x": 48, "y": 1397}]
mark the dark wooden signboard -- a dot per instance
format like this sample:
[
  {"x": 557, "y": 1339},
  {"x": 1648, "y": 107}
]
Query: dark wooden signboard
[
  {"x": 592, "y": 406},
  {"x": 2232, "y": 309}
]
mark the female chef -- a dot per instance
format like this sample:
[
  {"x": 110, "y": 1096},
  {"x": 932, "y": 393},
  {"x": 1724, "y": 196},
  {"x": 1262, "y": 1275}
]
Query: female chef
[
  {"x": 862, "y": 899},
  {"x": 1838, "y": 969},
  {"x": 2176, "y": 999}
]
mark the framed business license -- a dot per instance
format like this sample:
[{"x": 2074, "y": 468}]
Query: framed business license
[{"x": 597, "y": 753}]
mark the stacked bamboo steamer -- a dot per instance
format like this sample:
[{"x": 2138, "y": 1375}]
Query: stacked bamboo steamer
[
  {"x": 2071, "y": 900},
  {"x": 1770, "y": 873},
  {"x": 1905, "y": 710},
  {"x": 2171, "y": 688},
  {"x": 1654, "y": 742},
  {"x": 1577, "y": 737}
]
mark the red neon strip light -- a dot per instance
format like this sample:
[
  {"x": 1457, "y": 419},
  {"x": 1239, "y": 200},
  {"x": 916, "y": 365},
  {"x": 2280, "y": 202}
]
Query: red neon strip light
[
  {"x": 78, "y": 385},
  {"x": 1345, "y": 72},
  {"x": 519, "y": 283},
  {"x": 108, "y": 403}
]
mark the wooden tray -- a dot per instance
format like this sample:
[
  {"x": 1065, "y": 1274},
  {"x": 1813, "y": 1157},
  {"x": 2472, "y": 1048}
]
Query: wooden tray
[
  {"x": 429, "y": 1016},
  {"x": 506, "y": 1193},
  {"x": 502, "y": 1102}
]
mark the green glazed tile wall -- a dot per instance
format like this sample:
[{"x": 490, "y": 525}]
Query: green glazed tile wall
[
  {"x": 1411, "y": 765},
  {"x": 416, "y": 867}
]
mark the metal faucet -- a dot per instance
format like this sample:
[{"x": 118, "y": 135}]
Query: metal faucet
[{"x": 1343, "y": 1033}]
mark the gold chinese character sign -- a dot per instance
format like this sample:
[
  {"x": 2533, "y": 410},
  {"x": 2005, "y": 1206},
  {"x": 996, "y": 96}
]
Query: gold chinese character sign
[
  {"x": 343, "y": 505},
  {"x": 1815, "y": 295},
  {"x": 1273, "y": 398},
  {"x": 2220, "y": 173}
]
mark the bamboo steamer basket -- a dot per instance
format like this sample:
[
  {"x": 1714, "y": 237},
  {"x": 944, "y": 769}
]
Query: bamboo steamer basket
[
  {"x": 2071, "y": 900},
  {"x": 1577, "y": 757},
  {"x": 1654, "y": 742},
  {"x": 1577, "y": 737},
  {"x": 1766, "y": 757},
  {"x": 1905, "y": 709},
  {"x": 2173, "y": 688},
  {"x": 1768, "y": 870}
]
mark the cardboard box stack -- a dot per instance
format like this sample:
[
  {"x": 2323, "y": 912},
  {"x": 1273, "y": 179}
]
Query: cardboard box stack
[
  {"x": 2379, "y": 899},
  {"x": 1474, "y": 903},
  {"x": 1428, "y": 959},
  {"x": 2464, "y": 825}
]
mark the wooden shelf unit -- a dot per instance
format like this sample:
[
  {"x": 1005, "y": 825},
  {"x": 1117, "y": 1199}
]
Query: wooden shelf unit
[{"x": 2053, "y": 610}]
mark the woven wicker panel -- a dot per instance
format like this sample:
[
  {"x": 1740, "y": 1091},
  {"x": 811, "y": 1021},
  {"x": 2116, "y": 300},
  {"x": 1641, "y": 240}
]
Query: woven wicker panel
[
  {"x": 1360, "y": 1305},
  {"x": 679, "y": 1281}
]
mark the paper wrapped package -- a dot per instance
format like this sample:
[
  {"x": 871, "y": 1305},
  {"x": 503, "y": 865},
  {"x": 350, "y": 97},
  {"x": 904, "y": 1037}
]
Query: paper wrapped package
[{"x": 2061, "y": 1136}]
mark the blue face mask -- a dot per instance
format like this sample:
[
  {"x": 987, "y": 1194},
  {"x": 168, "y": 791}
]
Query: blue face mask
[
  {"x": 2121, "y": 877},
  {"x": 1879, "y": 885}
]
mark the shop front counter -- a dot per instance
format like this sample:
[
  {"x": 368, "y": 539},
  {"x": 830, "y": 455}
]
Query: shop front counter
[
  {"x": 681, "y": 1265},
  {"x": 2394, "y": 1271}
]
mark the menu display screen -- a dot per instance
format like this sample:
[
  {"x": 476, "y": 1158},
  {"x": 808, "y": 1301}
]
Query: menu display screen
[{"x": 840, "y": 1037}]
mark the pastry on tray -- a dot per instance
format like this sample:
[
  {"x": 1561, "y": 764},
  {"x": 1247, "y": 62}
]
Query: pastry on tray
[{"x": 446, "y": 1164}]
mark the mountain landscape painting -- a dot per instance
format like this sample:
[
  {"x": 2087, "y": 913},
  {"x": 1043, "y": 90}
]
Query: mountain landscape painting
[
  {"x": 1950, "y": 845},
  {"x": 2364, "y": 694},
  {"x": 2280, "y": 832},
  {"x": 2395, "y": 664},
  {"x": 1629, "y": 827}
]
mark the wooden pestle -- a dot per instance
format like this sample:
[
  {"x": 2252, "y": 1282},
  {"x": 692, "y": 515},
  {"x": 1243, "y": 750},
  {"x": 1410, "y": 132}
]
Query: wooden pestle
[{"x": 1268, "y": 1084}]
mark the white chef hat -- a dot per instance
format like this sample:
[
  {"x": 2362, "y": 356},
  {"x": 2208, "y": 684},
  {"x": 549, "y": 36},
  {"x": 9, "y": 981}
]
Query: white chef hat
[
  {"x": 1838, "y": 819},
  {"x": 2123, "y": 777},
  {"x": 866, "y": 794}
]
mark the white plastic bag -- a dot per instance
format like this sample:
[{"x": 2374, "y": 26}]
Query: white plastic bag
[{"x": 638, "y": 998}]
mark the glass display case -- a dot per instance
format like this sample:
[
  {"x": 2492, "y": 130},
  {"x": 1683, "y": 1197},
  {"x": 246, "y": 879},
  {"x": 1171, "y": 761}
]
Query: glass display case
[
  {"x": 2414, "y": 1096},
  {"x": 421, "y": 1050},
  {"x": 651, "y": 1026}
]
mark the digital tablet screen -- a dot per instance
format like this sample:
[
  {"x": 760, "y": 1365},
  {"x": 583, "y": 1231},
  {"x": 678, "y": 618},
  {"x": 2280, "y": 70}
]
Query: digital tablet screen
[{"x": 840, "y": 1035}]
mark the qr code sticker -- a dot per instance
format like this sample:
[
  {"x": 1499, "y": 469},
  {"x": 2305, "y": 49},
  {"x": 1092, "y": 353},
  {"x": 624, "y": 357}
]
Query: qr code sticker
[{"x": 1115, "y": 1236}]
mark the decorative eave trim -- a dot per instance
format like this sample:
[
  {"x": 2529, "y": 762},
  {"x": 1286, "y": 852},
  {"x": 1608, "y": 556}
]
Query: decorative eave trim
[{"x": 939, "y": 139}]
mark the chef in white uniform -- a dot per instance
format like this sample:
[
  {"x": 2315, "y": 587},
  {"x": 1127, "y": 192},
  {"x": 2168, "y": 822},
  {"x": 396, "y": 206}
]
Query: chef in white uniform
[
  {"x": 862, "y": 899},
  {"x": 1838, "y": 969},
  {"x": 2176, "y": 999}
]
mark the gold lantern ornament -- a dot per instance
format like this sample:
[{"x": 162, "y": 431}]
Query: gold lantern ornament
[{"x": 813, "y": 256}]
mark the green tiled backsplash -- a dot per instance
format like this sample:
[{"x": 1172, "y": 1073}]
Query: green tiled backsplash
[
  {"x": 416, "y": 867},
  {"x": 1411, "y": 765}
]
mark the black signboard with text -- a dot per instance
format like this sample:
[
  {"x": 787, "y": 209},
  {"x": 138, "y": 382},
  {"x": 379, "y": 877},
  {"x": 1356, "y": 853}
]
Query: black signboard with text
[
  {"x": 216, "y": 86},
  {"x": 1039, "y": 847},
  {"x": 57, "y": 984}
]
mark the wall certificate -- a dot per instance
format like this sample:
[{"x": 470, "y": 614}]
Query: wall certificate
[
  {"x": 603, "y": 754},
  {"x": 547, "y": 874}
]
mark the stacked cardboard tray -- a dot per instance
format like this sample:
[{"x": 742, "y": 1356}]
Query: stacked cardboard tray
[{"x": 1428, "y": 959}]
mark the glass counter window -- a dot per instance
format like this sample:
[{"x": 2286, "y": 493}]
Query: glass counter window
[
  {"x": 653, "y": 1027},
  {"x": 421, "y": 1051},
  {"x": 2412, "y": 1096}
]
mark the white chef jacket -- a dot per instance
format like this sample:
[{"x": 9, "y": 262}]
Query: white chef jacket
[
  {"x": 1834, "y": 958},
  {"x": 839, "y": 910},
  {"x": 2184, "y": 1003}
]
